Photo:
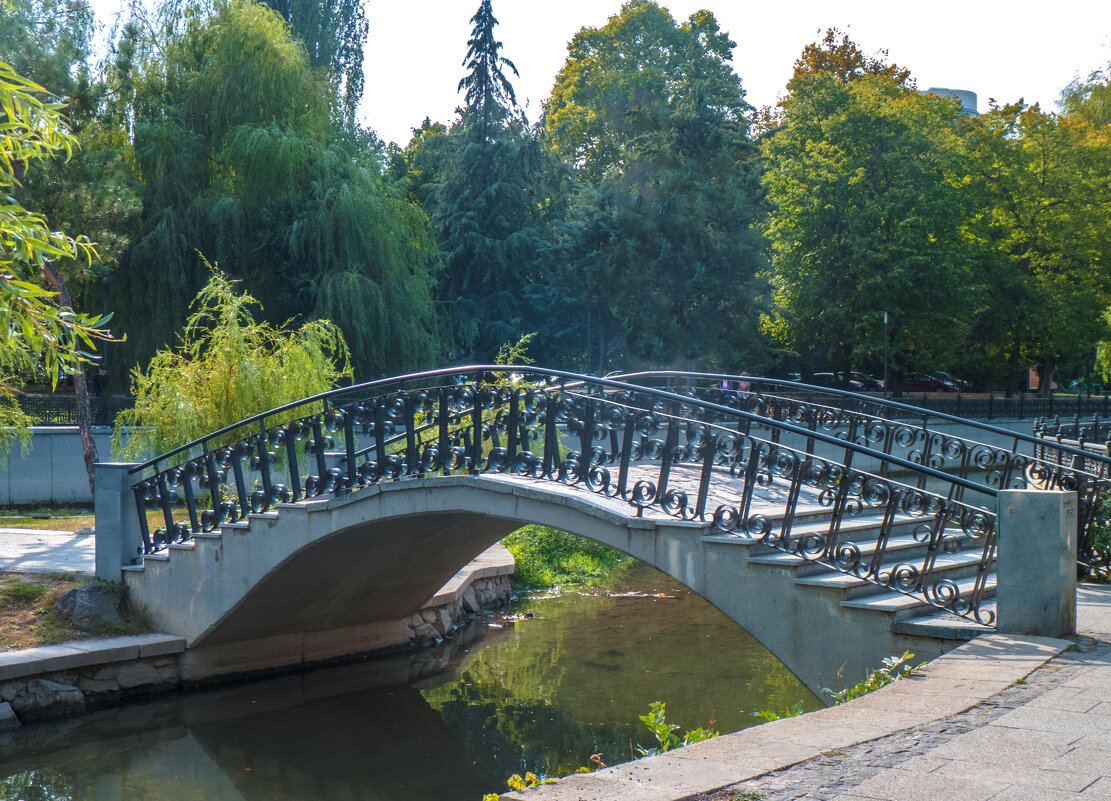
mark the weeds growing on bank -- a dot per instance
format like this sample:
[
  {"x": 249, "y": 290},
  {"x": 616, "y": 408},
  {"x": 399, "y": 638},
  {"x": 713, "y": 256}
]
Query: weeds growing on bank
[{"x": 28, "y": 616}]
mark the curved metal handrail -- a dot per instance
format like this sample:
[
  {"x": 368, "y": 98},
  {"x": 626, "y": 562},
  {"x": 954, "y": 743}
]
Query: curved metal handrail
[{"x": 916, "y": 411}]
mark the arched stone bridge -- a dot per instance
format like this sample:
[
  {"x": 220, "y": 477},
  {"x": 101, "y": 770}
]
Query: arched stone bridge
[{"x": 835, "y": 532}]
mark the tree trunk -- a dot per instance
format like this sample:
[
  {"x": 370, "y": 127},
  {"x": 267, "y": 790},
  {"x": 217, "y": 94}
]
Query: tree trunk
[
  {"x": 80, "y": 388},
  {"x": 1046, "y": 371},
  {"x": 1013, "y": 373}
]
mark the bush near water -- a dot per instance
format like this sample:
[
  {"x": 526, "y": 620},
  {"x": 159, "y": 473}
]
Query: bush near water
[{"x": 548, "y": 557}]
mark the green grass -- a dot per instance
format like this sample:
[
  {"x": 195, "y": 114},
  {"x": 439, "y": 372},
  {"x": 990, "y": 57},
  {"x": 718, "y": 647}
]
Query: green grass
[{"x": 547, "y": 557}]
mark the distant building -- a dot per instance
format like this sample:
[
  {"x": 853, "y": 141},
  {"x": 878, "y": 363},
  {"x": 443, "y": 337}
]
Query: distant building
[{"x": 967, "y": 99}]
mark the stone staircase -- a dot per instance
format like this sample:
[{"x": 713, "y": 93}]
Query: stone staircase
[{"x": 901, "y": 613}]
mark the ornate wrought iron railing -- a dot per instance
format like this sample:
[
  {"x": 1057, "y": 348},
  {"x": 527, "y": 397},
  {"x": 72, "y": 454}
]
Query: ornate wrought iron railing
[
  {"x": 732, "y": 465},
  {"x": 968, "y": 448},
  {"x": 61, "y": 410}
]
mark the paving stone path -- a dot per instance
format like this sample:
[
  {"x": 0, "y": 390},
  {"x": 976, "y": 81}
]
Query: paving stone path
[{"x": 1046, "y": 739}]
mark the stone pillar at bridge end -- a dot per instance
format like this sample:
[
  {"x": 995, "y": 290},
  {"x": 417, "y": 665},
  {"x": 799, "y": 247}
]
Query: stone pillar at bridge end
[
  {"x": 1036, "y": 563},
  {"x": 118, "y": 538}
]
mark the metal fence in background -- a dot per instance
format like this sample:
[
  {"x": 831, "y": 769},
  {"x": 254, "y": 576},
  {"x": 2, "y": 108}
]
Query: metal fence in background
[{"x": 61, "y": 410}]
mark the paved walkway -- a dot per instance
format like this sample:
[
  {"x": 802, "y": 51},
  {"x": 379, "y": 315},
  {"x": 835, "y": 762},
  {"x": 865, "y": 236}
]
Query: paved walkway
[{"x": 40, "y": 551}]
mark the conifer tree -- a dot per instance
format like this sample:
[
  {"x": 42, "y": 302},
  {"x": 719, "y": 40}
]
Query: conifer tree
[
  {"x": 489, "y": 94},
  {"x": 485, "y": 200}
]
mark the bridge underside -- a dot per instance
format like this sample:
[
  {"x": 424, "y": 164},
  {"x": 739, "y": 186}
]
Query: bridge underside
[{"x": 318, "y": 580}]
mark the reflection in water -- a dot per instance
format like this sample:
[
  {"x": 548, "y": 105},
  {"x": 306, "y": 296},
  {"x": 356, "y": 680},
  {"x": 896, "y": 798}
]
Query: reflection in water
[{"x": 539, "y": 694}]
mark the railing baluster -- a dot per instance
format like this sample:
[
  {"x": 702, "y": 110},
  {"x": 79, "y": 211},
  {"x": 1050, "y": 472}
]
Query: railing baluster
[
  {"x": 413, "y": 462},
  {"x": 264, "y": 463},
  {"x": 190, "y": 500},
  {"x": 444, "y": 444},
  {"x": 709, "y": 449},
  {"x": 380, "y": 436},
  {"x": 511, "y": 428},
  {"x": 586, "y": 438},
  {"x": 626, "y": 453},
  {"x": 670, "y": 443},
  {"x": 318, "y": 447},
  {"x": 476, "y": 420},
  {"x": 240, "y": 481},
  {"x": 349, "y": 445},
  {"x": 294, "y": 462},
  {"x": 551, "y": 438}
]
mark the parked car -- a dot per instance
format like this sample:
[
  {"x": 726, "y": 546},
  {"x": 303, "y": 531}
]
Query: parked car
[
  {"x": 918, "y": 382},
  {"x": 834, "y": 380},
  {"x": 868, "y": 382},
  {"x": 962, "y": 385}
]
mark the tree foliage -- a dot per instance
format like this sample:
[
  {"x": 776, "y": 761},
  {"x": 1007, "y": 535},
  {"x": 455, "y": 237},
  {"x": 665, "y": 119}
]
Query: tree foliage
[
  {"x": 33, "y": 326},
  {"x": 1041, "y": 188},
  {"x": 487, "y": 185},
  {"x": 226, "y": 367},
  {"x": 333, "y": 33},
  {"x": 487, "y": 92},
  {"x": 662, "y": 234},
  {"x": 866, "y": 218},
  {"x": 837, "y": 55},
  {"x": 240, "y": 158},
  {"x": 621, "y": 80}
]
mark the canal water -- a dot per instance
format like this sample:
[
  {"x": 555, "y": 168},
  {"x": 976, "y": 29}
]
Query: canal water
[{"x": 541, "y": 687}]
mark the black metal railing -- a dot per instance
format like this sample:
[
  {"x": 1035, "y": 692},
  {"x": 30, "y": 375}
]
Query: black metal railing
[
  {"x": 1019, "y": 407},
  {"x": 968, "y": 448},
  {"x": 735, "y": 467},
  {"x": 61, "y": 410}
]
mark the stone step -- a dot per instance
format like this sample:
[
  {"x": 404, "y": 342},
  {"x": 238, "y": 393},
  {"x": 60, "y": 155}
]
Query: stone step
[
  {"x": 945, "y": 625},
  {"x": 951, "y": 566},
  {"x": 904, "y": 607},
  {"x": 862, "y": 533}
]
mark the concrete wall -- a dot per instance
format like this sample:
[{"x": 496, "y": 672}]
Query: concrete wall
[{"x": 53, "y": 468}]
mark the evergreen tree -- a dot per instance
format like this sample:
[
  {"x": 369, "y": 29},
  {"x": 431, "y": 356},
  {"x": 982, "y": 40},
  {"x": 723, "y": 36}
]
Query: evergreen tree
[
  {"x": 488, "y": 93},
  {"x": 487, "y": 199}
]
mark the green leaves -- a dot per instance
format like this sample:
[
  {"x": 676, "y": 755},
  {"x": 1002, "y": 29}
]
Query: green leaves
[
  {"x": 227, "y": 367},
  {"x": 866, "y": 214},
  {"x": 664, "y": 732}
]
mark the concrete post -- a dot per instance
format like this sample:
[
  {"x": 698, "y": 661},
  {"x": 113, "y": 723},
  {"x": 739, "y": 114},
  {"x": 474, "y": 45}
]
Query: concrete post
[
  {"x": 118, "y": 538},
  {"x": 1036, "y": 563}
]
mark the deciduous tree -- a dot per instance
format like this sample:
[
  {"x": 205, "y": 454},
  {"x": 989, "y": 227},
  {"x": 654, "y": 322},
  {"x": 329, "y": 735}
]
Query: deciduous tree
[
  {"x": 1041, "y": 189},
  {"x": 866, "y": 218},
  {"x": 241, "y": 159}
]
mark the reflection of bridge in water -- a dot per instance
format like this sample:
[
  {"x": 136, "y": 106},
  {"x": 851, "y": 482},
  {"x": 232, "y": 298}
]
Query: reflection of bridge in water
[{"x": 833, "y": 527}]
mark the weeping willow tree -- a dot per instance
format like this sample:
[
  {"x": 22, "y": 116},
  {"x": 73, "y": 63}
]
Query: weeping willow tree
[
  {"x": 240, "y": 156},
  {"x": 226, "y": 367}
]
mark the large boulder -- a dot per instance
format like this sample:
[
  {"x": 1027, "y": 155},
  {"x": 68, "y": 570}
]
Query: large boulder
[{"x": 90, "y": 606}]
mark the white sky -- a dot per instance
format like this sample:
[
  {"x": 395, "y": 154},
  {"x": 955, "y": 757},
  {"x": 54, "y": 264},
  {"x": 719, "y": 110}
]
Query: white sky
[{"x": 1001, "y": 50}]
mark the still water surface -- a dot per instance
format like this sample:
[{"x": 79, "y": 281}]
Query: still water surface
[{"x": 503, "y": 696}]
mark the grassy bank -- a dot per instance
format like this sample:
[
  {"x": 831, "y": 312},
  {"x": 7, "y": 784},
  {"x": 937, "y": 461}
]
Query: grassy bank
[{"x": 548, "y": 557}]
